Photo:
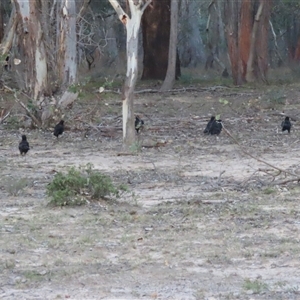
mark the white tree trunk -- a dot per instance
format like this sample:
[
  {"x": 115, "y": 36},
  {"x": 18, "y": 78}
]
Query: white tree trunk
[
  {"x": 171, "y": 71},
  {"x": 68, "y": 42},
  {"x": 132, "y": 26},
  {"x": 40, "y": 64}
]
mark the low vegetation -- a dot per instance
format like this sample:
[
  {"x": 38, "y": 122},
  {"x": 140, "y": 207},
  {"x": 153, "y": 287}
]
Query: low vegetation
[
  {"x": 255, "y": 286},
  {"x": 80, "y": 185}
]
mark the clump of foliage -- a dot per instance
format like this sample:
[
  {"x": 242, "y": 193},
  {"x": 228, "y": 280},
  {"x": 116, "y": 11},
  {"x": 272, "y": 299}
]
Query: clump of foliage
[
  {"x": 255, "y": 285},
  {"x": 80, "y": 185}
]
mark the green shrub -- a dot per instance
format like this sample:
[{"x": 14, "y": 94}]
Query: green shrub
[
  {"x": 256, "y": 286},
  {"x": 79, "y": 185}
]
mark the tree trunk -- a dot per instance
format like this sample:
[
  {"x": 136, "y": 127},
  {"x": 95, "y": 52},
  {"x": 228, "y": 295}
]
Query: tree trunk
[
  {"x": 156, "y": 37},
  {"x": 1, "y": 21},
  {"x": 231, "y": 19},
  {"x": 9, "y": 32},
  {"x": 215, "y": 35},
  {"x": 190, "y": 44},
  {"x": 68, "y": 43},
  {"x": 297, "y": 51},
  {"x": 132, "y": 26},
  {"x": 171, "y": 71},
  {"x": 247, "y": 39},
  {"x": 257, "y": 64},
  {"x": 31, "y": 49}
]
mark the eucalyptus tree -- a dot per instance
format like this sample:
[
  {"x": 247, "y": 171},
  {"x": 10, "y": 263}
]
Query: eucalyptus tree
[{"x": 132, "y": 25}]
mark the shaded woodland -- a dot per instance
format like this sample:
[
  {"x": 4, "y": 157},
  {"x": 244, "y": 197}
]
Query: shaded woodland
[{"x": 47, "y": 48}]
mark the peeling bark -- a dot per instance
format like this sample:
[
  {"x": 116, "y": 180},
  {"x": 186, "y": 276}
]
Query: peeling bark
[{"x": 32, "y": 71}]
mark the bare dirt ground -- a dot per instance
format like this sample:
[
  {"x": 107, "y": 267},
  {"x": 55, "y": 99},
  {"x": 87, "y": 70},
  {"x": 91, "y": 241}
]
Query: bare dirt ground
[{"x": 202, "y": 219}]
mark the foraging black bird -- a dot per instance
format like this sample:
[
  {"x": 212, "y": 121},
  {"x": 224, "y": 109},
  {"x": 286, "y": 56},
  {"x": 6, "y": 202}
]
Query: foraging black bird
[
  {"x": 59, "y": 128},
  {"x": 139, "y": 123},
  {"x": 23, "y": 145},
  {"x": 216, "y": 127},
  {"x": 208, "y": 126},
  {"x": 286, "y": 124}
]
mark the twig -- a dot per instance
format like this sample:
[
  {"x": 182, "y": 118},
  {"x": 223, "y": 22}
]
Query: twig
[
  {"x": 249, "y": 178},
  {"x": 126, "y": 154},
  {"x": 268, "y": 172},
  {"x": 2, "y": 119},
  {"x": 286, "y": 181},
  {"x": 219, "y": 179}
]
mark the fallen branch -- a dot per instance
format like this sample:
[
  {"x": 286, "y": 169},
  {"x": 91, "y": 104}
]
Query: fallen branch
[
  {"x": 190, "y": 89},
  {"x": 35, "y": 120},
  {"x": 263, "y": 161},
  {"x": 287, "y": 181},
  {"x": 4, "y": 116},
  {"x": 126, "y": 154}
]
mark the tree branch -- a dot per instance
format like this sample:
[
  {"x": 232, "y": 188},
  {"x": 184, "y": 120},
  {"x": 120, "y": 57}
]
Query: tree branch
[
  {"x": 4, "y": 117},
  {"x": 35, "y": 120},
  {"x": 83, "y": 9},
  {"x": 261, "y": 160},
  {"x": 145, "y": 6},
  {"x": 119, "y": 10}
]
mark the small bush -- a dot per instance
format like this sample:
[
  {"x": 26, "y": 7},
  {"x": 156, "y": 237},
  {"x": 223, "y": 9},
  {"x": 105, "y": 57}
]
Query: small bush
[
  {"x": 79, "y": 185},
  {"x": 268, "y": 191},
  {"x": 256, "y": 286}
]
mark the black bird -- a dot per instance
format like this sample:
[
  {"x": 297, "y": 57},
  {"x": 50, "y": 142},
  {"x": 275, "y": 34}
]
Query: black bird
[
  {"x": 208, "y": 126},
  {"x": 59, "y": 128},
  {"x": 139, "y": 123},
  {"x": 286, "y": 124},
  {"x": 23, "y": 145},
  {"x": 216, "y": 127}
]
